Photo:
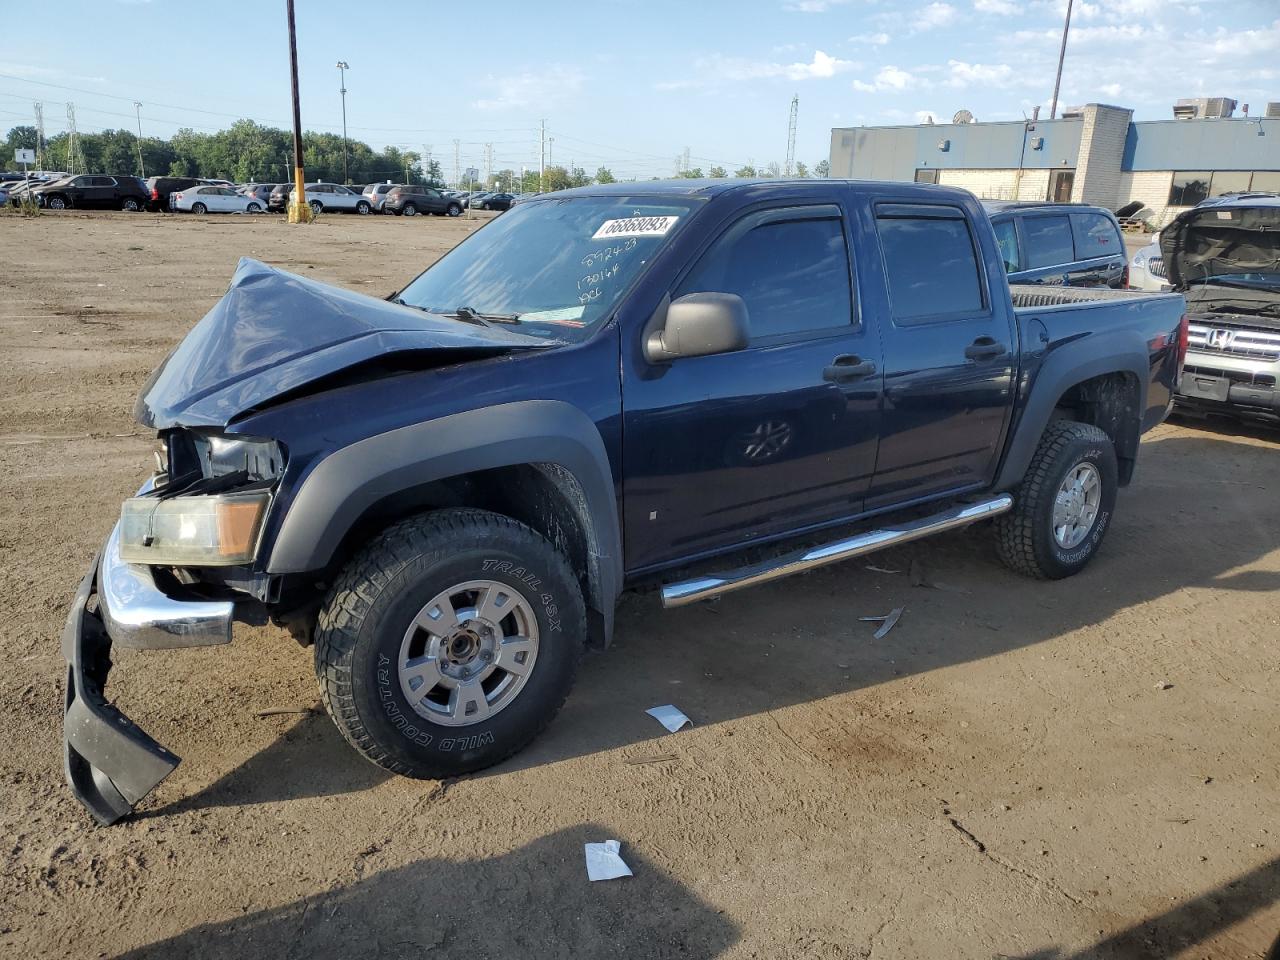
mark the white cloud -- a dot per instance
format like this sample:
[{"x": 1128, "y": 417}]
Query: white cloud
[
  {"x": 31, "y": 72},
  {"x": 927, "y": 116},
  {"x": 977, "y": 74},
  {"x": 889, "y": 78},
  {"x": 718, "y": 69},
  {"x": 821, "y": 65},
  {"x": 1004, "y": 8},
  {"x": 811, "y": 6},
  {"x": 532, "y": 87},
  {"x": 933, "y": 16},
  {"x": 874, "y": 39}
]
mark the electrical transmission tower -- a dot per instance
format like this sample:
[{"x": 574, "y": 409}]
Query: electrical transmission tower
[
  {"x": 791, "y": 137},
  {"x": 488, "y": 164},
  {"x": 39, "y": 109},
  {"x": 75, "y": 157},
  {"x": 457, "y": 164}
]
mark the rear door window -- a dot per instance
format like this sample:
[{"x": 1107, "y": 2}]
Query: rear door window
[
  {"x": 1095, "y": 236},
  {"x": 930, "y": 262},
  {"x": 1007, "y": 240},
  {"x": 1048, "y": 241}
]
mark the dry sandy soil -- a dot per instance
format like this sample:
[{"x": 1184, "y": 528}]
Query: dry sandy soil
[{"x": 1036, "y": 770}]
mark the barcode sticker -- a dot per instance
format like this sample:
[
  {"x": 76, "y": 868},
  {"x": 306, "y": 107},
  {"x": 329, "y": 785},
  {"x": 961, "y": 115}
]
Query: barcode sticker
[{"x": 635, "y": 227}]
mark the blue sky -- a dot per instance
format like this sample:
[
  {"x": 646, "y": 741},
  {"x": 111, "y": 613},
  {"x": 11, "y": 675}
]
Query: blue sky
[{"x": 630, "y": 83}]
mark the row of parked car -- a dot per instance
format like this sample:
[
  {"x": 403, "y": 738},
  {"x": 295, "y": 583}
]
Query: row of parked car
[{"x": 201, "y": 195}]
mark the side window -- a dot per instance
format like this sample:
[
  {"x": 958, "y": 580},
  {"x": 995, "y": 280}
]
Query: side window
[
  {"x": 1007, "y": 239},
  {"x": 1095, "y": 236},
  {"x": 930, "y": 262},
  {"x": 792, "y": 274},
  {"x": 1048, "y": 241}
]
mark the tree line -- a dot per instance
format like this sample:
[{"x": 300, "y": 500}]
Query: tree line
[{"x": 249, "y": 152}]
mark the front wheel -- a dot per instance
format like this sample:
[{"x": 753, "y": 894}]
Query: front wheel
[
  {"x": 362, "y": 207},
  {"x": 449, "y": 642},
  {"x": 253, "y": 208},
  {"x": 1064, "y": 505},
  {"x": 56, "y": 203}
]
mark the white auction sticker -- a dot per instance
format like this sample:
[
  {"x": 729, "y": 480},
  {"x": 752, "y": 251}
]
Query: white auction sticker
[{"x": 635, "y": 227}]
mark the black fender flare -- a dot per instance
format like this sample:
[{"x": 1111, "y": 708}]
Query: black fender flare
[
  {"x": 1063, "y": 368},
  {"x": 346, "y": 484}
]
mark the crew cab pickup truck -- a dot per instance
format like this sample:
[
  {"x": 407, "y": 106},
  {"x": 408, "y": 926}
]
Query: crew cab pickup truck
[
  {"x": 698, "y": 385},
  {"x": 1225, "y": 256}
]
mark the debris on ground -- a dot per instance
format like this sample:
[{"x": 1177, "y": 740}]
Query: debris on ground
[
  {"x": 886, "y": 622},
  {"x": 669, "y": 717},
  {"x": 603, "y": 861},
  {"x": 875, "y": 569},
  {"x": 1164, "y": 685},
  {"x": 282, "y": 711}
]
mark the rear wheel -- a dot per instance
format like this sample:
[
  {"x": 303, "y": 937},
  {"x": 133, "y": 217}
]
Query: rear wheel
[
  {"x": 253, "y": 208},
  {"x": 454, "y": 210},
  {"x": 199, "y": 208},
  {"x": 131, "y": 204},
  {"x": 410, "y": 210},
  {"x": 316, "y": 206},
  {"x": 1063, "y": 507},
  {"x": 449, "y": 642}
]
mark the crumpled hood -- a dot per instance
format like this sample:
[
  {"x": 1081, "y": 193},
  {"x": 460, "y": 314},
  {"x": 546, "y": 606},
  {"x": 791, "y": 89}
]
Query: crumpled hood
[
  {"x": 274, "y": 332},
  {"x": 1222, "y": 241}
]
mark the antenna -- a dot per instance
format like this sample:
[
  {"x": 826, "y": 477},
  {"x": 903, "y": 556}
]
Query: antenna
[
  {"x": 963, "y": 116},
  {"x": 39, "y": 109},
  {"x": 790, "y": 168}
]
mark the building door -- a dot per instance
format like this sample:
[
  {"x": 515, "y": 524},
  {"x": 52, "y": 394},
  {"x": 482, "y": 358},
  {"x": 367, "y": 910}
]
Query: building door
[{"x": 1060, "y": 184}]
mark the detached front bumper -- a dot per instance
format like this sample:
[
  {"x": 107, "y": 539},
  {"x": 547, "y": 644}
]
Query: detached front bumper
[{"x": 109, "y": 762}]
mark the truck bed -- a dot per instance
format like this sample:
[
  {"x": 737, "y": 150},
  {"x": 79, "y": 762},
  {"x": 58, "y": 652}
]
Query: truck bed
[{"x": 1037, "y": 296}]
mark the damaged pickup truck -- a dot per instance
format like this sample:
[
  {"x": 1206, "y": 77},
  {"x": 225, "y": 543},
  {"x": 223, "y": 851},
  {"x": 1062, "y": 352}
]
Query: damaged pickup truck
[{"x": 695, "y": 385}]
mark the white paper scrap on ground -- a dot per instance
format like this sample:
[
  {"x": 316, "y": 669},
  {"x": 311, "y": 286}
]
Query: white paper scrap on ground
[
  {"x": 603, "y": 861},
  {"x": 669, "y": 717}
]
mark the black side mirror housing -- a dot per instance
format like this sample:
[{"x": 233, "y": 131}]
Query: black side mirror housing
[{"x": 698, "y": 325}]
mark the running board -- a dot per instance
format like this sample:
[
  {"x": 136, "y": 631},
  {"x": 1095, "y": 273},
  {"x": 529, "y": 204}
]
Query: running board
[{"x": 700, "y": 588}]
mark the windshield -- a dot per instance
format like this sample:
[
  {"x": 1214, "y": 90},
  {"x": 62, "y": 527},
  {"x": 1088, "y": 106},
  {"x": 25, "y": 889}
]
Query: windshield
[{"x": 559, "y": 266}]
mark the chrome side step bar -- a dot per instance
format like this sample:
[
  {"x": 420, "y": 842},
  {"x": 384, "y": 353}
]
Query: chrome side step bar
[{"x": 700, "y": 588}]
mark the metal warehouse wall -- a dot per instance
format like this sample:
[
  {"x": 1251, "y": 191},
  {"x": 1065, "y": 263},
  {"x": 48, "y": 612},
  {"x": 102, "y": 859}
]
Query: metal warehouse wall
[
  {"x": 895, "y": 153},
  {"x": 1226, "y": 144}
]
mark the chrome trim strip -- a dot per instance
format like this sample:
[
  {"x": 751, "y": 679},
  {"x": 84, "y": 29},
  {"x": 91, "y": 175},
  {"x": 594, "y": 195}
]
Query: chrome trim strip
[{"x": 700, "y": 588}]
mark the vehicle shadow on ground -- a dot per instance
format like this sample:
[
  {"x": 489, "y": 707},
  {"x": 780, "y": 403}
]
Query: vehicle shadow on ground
[
  {"x": 799, "y": 640},
  {"x": 1187, "y": 925},
  {"x": 506, "y": 906}
]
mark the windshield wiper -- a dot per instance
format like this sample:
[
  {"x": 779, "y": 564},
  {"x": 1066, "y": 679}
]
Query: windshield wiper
[{"x": 470, "y": 313}]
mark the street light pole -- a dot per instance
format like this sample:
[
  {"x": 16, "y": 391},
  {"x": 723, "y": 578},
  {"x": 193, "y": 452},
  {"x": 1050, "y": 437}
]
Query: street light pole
[
  {"x": 299, "y": 212},
  {"x": 137, "y": 106},
  {"x": 343, "y": 67},
  {"x": 1062, "y": 53}
]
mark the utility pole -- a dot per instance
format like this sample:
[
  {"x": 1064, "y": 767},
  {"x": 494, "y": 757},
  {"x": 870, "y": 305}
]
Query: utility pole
[
  {"x": 790, "y": 168},
  {"x": 137, "y": 106},
  {"x": 39, "y": 109},
  {"x": 299, "y": 212},
  {"x": 542, "y": 160},
  {"x": 426, "y": 170},
  {"x": 457, "y": 164},
  {"x": 343, "y": 67},
  {"x": 1062, "y": 53}
]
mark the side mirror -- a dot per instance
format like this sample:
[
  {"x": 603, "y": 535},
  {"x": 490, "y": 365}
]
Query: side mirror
[{"x": 698, "y": 325}]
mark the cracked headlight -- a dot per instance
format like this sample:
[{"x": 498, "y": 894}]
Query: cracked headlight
[{"x": 193, "y": 531}]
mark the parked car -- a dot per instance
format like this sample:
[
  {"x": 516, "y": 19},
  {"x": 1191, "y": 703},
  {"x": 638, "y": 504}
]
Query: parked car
[
  {"x": 475, "y": 197},
  {"x": 574, "y": 405},
  {"x": 411, "y": 199},
  {"x": 203, "y": 199},
  {"x": 497, "y": 201},
  {"x": 1146, "y": 268},
  {"x": 1224, "y": 255},
  {"x": 326, "y": 197},
  {"x": 260, "y": 192},
  {"x": 159, "y": 189},
  {"x": 89, "y": 191},
  {"x": 1060, "y": 243},
  {"x": 4, "y": 194},
  {"x": 376, "y": 194}
]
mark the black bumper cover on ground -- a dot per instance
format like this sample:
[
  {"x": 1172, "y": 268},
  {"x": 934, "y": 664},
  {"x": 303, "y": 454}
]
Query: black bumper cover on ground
[{"x": 110, "y": 763}]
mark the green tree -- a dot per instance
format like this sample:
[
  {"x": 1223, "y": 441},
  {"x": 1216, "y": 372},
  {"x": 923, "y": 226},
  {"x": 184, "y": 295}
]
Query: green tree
[
  {"x": 693, "y": 174},
  {"x": 605, "y": 175},
  {"x": 718, "y": 173},
  {"x": 822, "y": 168},
  {"x": 556, "y": 178},
  {"x": 802, "y": 171},
  {"x": 745, "y": 171},
  {"x": 578, "y": 177}
]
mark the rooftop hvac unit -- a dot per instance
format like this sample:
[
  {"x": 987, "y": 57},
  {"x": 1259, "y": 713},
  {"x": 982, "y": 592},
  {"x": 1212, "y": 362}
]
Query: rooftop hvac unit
[
  {"x": 1204, "y": 108},
  {"x": 1273, "y": 109},
  {"x": 1073, "y": 113}
]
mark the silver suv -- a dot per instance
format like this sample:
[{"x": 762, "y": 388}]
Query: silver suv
[{"x": 1223, "y": 255}]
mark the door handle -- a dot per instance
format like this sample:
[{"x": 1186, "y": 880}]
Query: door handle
[
  {"x": 847, "y": 367},
  {"x": 985, "y": 348}
]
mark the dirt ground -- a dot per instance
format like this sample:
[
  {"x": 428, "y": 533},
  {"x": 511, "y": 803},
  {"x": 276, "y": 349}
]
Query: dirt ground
[{"x": 1088, "y": 768}]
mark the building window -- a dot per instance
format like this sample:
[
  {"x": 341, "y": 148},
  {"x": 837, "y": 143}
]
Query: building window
[
  {"x": 1060, "y": 184},
  {"x": 1267, "y": 180},
  {"x": 1229, "y": 181},
  {"x": 1189, "y": 188},
  {"x": 927, "y": 176}
]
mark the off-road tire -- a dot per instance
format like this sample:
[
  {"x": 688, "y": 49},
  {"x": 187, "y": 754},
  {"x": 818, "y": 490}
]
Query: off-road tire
[
  {"x": 384, "y": 586},
  {"x": 1024, "y": 535}
]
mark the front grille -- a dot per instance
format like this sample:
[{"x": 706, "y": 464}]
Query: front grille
[
  {"x": 1234, "y": 341},
  {"x": 1155, "y": 266},
  {"x": 1235, "y": 376}
]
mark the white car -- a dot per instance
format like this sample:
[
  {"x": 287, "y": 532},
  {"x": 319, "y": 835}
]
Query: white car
[
  {"x": 206, "y": 199},
  {"x": 1146, "y": 269},
  {"x": 334, "y": 196}
]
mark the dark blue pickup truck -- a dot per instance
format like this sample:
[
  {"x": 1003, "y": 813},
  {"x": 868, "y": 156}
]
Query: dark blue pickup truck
[{"x": 693, "y": 385}]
